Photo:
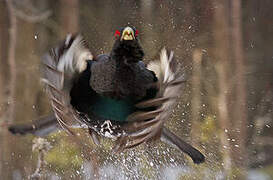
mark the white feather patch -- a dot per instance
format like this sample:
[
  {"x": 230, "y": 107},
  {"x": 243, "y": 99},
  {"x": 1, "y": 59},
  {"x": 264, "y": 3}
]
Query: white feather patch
[
  {"x": 162, "y": 67},
  {"x": 74, "y": 59}
]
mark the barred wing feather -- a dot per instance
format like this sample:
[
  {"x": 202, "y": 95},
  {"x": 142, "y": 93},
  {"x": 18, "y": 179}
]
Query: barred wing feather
[
  {"x": 147, "y": 125},
  {"x": 60, "y": 67}
]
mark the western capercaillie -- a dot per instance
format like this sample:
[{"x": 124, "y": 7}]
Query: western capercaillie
[{"x": 113, "y": 95}]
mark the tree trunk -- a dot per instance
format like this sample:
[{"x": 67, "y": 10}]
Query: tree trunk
[
  {"x": 9, "y": 94},
  {"x": 3, "y": 78},
  {"x": 69, "y": 16},
  {"x": 221, "y": 38},
  {"x": 147, "y": 37},
  {"x": 240, "y": 106},
  {"x": 196, "y": 95}
]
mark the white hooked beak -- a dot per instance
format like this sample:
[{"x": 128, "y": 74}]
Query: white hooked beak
[{"x": 127, "y": 34}]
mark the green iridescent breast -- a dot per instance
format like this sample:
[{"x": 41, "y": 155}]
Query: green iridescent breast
[{"x": 113, "y": 109}]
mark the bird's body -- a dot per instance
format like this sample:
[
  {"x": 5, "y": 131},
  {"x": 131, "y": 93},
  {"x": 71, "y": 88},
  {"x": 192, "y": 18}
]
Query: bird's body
[{"x": 113, "y": 95}]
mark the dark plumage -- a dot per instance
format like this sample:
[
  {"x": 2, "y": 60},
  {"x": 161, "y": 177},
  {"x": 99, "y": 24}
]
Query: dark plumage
[{"x": 112, "y": 95}]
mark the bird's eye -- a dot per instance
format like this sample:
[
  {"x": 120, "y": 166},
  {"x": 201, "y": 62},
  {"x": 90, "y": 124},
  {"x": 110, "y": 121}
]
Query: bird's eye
[
  {"x": 136, "y": 33},
  {"x": 117, "y": 33}
]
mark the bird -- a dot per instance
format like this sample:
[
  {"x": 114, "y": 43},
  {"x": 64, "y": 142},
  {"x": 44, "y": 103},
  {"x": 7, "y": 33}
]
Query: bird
[{"x": 113, "y": 95}]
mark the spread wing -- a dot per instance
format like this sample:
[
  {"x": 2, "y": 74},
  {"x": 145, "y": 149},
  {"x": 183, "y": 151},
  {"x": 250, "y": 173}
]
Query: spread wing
[
  {"x": 60, "y": 68},
  {"x": 148, "y": 125}
]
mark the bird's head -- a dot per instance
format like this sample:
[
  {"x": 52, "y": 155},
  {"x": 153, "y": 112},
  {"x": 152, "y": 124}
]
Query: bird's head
[
  {"x": 127, "y": 48},
  {"x": 126, "y": 34}
]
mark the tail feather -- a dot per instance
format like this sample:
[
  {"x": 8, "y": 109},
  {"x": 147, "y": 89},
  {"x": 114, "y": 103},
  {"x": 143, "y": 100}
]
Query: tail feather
[
  {"x": 170, "y": 138},
  {"x": 40, "y": 127}
]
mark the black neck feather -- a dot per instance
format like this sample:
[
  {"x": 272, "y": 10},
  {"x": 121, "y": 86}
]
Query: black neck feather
[{"x": 127, "y": 52}]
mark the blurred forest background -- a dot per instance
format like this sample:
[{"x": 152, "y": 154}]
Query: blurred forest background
[{"x": 226, "y": 109}]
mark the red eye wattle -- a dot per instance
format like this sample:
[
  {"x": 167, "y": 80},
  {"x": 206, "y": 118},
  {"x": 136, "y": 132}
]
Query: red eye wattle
[
  {"x": 117, "y": 33},
  {"x": 136, "y": 33}
]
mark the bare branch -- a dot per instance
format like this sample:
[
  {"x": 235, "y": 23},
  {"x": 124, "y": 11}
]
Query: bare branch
[
  {"x": 25, "y": 10},
  {"x": 33, "y": 18}
]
